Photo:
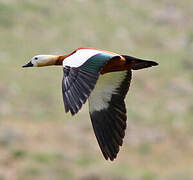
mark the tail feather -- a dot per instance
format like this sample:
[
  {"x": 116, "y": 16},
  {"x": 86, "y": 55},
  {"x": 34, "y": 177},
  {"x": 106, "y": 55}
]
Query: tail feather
[{"x": 137, "y": 63}]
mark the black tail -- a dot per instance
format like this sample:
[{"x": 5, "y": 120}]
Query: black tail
[{"x": 139, "y": 63}]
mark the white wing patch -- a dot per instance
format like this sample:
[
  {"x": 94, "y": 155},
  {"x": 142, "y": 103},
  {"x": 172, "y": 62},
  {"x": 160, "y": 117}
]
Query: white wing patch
[
  {"x": 105, "y": 87},
  {"x": 80, "y": 57}
]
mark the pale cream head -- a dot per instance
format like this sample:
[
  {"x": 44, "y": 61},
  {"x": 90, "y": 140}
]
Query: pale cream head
[{"x": 42, "y": 60}]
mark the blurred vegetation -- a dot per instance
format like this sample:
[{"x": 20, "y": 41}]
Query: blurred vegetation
[{"x": 38, "y": 140}]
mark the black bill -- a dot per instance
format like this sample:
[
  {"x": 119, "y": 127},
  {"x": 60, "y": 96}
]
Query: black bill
[{"x": 28, "y": 65}]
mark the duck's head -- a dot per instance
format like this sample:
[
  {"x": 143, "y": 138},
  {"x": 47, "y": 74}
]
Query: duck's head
[{"x": 42, "y": 60}]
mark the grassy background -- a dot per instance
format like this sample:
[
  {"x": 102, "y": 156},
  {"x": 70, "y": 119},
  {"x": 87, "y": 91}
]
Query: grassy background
[{"x": 38, "y": 140}]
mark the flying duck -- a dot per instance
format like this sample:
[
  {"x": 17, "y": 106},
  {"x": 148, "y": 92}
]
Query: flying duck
[{"x": 102, "y": 77}]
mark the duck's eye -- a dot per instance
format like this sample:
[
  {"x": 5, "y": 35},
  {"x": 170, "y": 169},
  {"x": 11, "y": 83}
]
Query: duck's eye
[{"x": 36, "y": 58}]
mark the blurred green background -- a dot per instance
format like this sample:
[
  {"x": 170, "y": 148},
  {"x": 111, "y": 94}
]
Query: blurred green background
[{"x": 38, "y": 140}]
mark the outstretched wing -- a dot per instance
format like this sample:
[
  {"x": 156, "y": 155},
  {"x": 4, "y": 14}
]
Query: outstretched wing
[
  {"x": 81, "y": 71},
  {"x": 77, "y": 85},
  {"x": 108, "y": 112}
]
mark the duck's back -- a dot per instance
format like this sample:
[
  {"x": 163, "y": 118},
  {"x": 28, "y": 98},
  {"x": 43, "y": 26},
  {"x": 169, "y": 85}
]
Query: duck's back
[{"x": 91, "y": 60}]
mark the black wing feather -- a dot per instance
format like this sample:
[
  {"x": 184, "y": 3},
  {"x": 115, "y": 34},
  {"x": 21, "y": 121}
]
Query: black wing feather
[
  {"x": 109, "y": 124},
  {"x": 77, "y": 85}
]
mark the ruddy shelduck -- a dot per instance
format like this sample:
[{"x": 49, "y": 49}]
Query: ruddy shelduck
[{"x": 102, "y": 77}]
